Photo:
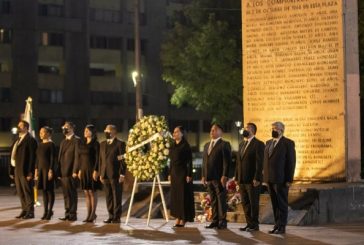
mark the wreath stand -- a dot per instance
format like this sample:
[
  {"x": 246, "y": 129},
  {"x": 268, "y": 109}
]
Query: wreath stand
[{"x": 156, "y": 178}]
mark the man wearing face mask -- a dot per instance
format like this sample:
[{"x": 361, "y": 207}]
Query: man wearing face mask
[
  {"x": 112, "y": 171},
  {"x": 23, "y": 155},
  {"x": 67, "y": 159},
  {"x": 279, "y": 166},
  {"x": 248, "y": 175}
]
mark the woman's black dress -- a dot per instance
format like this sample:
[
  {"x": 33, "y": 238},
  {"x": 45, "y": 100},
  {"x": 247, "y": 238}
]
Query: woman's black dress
[
  {"x": 88, "y": 158},
  {"x": 182, "y": 198},
  {"x": 46, "y": 160}
]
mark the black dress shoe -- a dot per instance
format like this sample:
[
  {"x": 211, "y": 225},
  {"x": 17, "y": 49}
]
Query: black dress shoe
[
  {"x": 21, "y": 215},
  {"x": 28, "y": 216},
  {"x": 253, "y": 228},
  {"x": 49, "y": 215},
  {"x": 64, "y": 218},
  {"x": 116, "y": 221},
  {"x": 222, "y": 225},
  {"x": 273, "y": 230},
  {"x": 280, "y": 230},
  {"x": 107, "y": 221},
  {"x": 244, "y": 228},
  {"x": 72, "y": 218},
  {"x": 212, "y": 225}
]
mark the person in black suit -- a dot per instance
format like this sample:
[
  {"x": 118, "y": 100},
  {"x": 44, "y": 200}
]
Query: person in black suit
[
  {"x": 23, "y": 157},
  {"x": 112, "y": 172},
  {"x": 279, "y": 166},
  {"x": 67, "y": 158},
  {"x": 248, "y": 175},
  {"x": 45, "y": 168},
  {"x": 215, "y": 169}
]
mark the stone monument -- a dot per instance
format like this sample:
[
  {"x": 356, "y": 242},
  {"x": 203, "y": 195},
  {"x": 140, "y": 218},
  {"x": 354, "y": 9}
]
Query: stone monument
[{"x": 300, "y": 66}]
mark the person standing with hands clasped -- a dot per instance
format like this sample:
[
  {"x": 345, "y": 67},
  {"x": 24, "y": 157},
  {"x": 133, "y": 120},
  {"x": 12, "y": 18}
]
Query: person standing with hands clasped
[
  {"x": 215, "y": 169},
  {"x": 112, "y": 172},
  {"x": 67, "y": 159},
  {"x": 45, "y": 169},
  {"x": 248, "y": 175},
  {"x": 182, "y": 199},
  {"x": 279, "y": 166}
]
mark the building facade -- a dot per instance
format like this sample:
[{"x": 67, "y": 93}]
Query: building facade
[{"x": 75, "y": 59}]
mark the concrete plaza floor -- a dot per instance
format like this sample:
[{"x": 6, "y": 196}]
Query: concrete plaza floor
[{"x": 36, "y": 231}]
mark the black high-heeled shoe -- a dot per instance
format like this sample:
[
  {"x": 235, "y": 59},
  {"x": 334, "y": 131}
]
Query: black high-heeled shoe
[
  {"x": 92, "y": 219},
  {"x": 44, "y": 215},
  {"x": 49, "y": 215}
]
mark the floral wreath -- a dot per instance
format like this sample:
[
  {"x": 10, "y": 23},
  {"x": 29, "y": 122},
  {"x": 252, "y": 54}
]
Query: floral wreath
[{"x": 148, "y": 147}]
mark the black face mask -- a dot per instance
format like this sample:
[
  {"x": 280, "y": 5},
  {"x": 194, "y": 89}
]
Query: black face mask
[
  {"x": 246, "y": 133},
  {"x": 65, "y": 131},
  {"x": 275, "y": 134},
  {"x": 107, "y": 135}
]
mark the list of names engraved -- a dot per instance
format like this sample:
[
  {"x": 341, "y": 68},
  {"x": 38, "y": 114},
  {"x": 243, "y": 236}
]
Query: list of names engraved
[{"x": 293, "y": 63}]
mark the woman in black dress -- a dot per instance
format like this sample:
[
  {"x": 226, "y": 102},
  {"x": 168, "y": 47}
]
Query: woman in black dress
[
  {"x": 46, "y": 166},
  {"x": 182, "y": 199},
  {"x": 87, "y": 160}
]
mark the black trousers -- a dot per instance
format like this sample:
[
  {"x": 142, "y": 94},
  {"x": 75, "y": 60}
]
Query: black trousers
[
  {"x": 113, "y": 194},
  {"x": 250, "y": 201},
  {"x": 218, "y": 200},
  {"x": 279, "y": 198},
  {"x": 25, "y": 192},
  {"x": 69, "y": 186}
]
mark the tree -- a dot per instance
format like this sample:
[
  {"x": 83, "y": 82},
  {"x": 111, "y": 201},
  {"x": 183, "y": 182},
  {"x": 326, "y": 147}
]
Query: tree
[{"x": 201, "y": 57}]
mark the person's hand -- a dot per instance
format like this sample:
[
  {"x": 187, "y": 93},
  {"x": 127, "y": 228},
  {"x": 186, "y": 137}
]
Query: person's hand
[
  {"x": 121, "y": 178},
  {"x": 36, "y": 174},
  {"x": 74, "y": 175},
  {"x": 223, "y": 181},
  {"x": 95, "y": 175},
  {"x": 256, "y": 183},
  {"x": 102, "y": 180},
  {"x": 288, "y": 184},
  {"x": 203, "y": 180},
  {"x": 169, "y": 178},
  {"x": 50, "y": 175},
  {"x": 11, "y": 176},
  {"x": 188, "y": 179},
  {"x": 79, "y": 174},
  {"x": 29, "y": 177}
]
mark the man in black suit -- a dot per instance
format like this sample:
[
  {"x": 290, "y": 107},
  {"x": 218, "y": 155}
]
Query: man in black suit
[
  {"x": 23, "y": 155},
  {"x": 68, "y": 170},
  {"x": 112, "y": 171},
  {"x": 279, "y": 166},
  {"x": 248, "y": 174},
  {"x": 215, "y": 169}
]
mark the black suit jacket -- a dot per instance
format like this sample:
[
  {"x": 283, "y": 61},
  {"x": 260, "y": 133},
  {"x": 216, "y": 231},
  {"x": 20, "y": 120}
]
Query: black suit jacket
[
  {"x": 279, "y": 167},
  {"x": 110, "y": 166},
  {"x": 249, "y": 165},
  {"x": 67, "y": 157},
  {"x": 216, "y": 165},
  {"x": 25, "y": 156}
]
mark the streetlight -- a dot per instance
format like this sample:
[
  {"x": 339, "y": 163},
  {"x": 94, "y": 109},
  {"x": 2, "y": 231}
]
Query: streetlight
[
  {"x": 137, "y": 52},
  {"x": 239, "y": 129}
]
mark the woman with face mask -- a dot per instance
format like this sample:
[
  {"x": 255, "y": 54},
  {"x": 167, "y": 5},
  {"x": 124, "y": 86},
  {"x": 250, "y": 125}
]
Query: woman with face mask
[
  {"x": 88, "y": 161},
  {"x": 46, "y": 166},
  {"x": 182, "y": 199}
]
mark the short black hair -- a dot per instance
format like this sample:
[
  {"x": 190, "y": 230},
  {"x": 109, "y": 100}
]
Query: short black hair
[
  {"x": 73, "y": 126},
  {"x": 218, "y": 125},
  {"x": 26, "y": 124},
  {"x": 254, "y": 127}
]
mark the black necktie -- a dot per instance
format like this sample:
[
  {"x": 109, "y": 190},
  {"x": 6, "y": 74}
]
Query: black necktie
[
  {"x": 243, "y": 148},
  {"x": 271, "y": 147}
]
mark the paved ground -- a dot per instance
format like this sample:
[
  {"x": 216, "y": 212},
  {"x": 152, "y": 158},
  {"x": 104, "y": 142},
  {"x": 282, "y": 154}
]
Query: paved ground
[{"x": 36, "y": 231}]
